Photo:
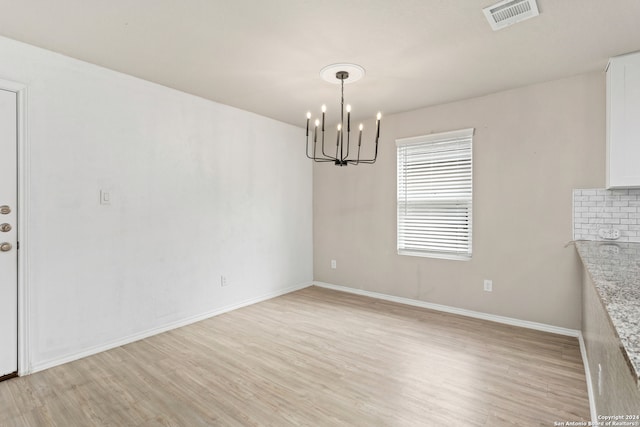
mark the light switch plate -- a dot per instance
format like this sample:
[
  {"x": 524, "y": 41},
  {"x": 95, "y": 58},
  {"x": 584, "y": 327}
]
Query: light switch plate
[{"x": 105, "y": 197}]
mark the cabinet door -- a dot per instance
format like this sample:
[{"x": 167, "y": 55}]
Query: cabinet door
[{"x": 623, "y": 122}]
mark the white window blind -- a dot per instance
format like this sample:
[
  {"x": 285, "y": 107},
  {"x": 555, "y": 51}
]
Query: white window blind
[{"x": 435, "y": 195}]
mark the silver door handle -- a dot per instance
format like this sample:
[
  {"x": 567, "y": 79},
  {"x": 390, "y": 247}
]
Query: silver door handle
[
  {"x": 5, "y": 210},
  {"x": 5, "y": 227},
  {"x": 5, "y": 247}
]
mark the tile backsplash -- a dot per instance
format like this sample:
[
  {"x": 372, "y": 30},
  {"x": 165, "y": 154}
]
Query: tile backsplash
[{"x": 595, "y": 209}]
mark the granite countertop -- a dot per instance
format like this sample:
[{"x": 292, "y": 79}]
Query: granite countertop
[{"x": 615, "y": 270}]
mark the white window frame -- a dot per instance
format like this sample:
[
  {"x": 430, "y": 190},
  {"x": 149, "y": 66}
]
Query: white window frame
[{"x": 458, "y": 242}]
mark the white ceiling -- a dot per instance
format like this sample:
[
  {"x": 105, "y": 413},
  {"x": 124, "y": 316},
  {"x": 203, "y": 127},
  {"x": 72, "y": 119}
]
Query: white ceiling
[{"x": 265, "y": 55}]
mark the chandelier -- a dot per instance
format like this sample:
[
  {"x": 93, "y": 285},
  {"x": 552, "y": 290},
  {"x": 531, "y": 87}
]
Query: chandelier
[{"x": 343, "y": 155}]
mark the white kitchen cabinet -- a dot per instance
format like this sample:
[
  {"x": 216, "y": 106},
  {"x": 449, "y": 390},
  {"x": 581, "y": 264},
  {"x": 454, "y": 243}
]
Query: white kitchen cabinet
[{"x": 623, "y": 121}]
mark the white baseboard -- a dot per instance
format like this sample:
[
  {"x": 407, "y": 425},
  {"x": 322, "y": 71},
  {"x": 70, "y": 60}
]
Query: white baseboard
[
  {"x": 41, "y": 366},
  {"x": 587, "y": 372},
  {"x": 454, "y": 310}
]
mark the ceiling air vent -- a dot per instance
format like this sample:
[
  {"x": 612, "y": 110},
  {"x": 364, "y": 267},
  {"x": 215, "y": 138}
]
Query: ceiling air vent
[{"x": 508, "y": 12}]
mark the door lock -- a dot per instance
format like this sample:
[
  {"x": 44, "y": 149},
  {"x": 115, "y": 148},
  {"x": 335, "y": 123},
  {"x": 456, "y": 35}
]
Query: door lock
[
  {"x": 5, "y": 247},
  {"x": 5, "y": 228},
  {"x": 5, "y": 210}
]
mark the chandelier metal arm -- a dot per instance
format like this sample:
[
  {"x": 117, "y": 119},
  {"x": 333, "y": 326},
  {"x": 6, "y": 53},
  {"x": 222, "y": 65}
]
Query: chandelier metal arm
[
  {"x": 316, "y": 158},
  {"x": 323, "y": 153},
  {"x": 313, "y": 157},
  {"x": 346, "y": 156},
  {"x": 375, "y": 155}
]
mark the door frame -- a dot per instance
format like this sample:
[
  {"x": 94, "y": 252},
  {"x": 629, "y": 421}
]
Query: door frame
[{"x": 21, "y": 91}]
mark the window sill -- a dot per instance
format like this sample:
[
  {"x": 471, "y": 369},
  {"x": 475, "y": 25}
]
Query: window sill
[{"x": 437, "y": 255}]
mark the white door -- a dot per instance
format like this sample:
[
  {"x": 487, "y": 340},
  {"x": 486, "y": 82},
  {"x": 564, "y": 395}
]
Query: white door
[{"x": 8, "y": 235}]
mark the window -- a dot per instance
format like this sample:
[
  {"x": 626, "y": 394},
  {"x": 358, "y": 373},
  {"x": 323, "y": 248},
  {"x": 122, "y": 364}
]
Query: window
[{"x": 435, "y": 195}]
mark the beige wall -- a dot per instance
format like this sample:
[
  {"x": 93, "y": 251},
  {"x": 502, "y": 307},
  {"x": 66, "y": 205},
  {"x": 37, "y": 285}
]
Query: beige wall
[{"x": 532, "y": 146}]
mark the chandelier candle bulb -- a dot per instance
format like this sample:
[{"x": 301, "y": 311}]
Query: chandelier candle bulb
[
  {"x": 308, "y": 118},
  {"x": 324, "y": 110},
  {"x": 360, "y": 135},
  {"x": 348, "y": 118}
]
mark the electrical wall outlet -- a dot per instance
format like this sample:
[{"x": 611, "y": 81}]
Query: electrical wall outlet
[
  {"x": 488, "y": 285},
  {"x": 223, "y": 281},
  {"x": 105, "y": 197},
  {"x": 333, "y": 264},
  {"x": 609, "y": 233}
]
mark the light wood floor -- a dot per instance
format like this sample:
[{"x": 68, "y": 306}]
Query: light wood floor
[{"x": 315, "y": 357}]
